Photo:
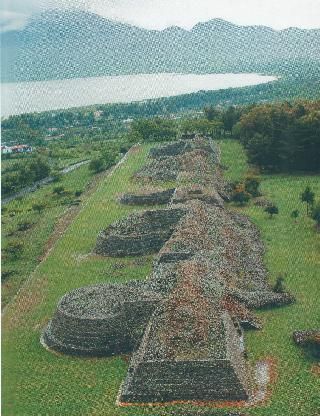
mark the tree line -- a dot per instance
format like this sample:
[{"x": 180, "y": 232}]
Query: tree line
[{"x": 282, "y": 137}]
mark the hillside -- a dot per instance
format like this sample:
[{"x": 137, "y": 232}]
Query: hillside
[{"x": 59, "y": 44}]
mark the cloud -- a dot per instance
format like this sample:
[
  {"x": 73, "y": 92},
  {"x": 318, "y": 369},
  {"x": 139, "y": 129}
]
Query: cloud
[
  {"x": 158, "y": 14},
  {"x": 12, "y": 20},
  {"x": 186, "y": 13},
  {"x": 14, "y": 14}
]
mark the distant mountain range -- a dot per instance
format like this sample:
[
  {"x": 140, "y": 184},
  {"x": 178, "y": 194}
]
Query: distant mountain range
[{"x": 62, "y": 44}]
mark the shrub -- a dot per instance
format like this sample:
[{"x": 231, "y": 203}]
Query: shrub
[
  {"x": 5, "y": 274},
  {"x": 57, "y": 176},
  {"x": 240, "y": 198},
  {"x": 272, "y": 210},
  {"x": 315, "y": 215},
  {"x": 39, "y": 207},
  {"x": 24, "y": 226},
  {"x": 295, "y": 214},
  {"x": 279, "y": 285},
  {"x": 97, "y": 165},
  {"x": 78, "y": 193},
  {"x": 252, "y": 186},
  {"x": 239, "y": 195},
  {"x": 14, "y": 249},
  {"x": 59, "y": 190},
  {"x": 307, "y": 196}
]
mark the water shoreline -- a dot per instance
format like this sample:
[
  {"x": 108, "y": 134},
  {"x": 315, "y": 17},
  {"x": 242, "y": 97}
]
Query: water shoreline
[{"x": 41, "y": 96}]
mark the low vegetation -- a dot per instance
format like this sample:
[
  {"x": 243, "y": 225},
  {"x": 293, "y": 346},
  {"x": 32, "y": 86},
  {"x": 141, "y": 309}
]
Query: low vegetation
[
  {"x": 63, "y": 385},
  {"x": 292, "y": 258},
  {"x": 49, "y": 158},
  {"x": 27, "y": 224}
]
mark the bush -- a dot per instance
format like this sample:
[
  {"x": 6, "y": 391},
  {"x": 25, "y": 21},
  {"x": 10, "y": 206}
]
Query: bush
[
  {"x": 315, "y": 215},
  {"x": 24, "y": 226},
  {"x": 78, "y": 193},
  {"x": 272, "y": 210},
  {"x": 39, "y": 207},
  {"x": 239, "y": 195},
  {"x": 5, "y": 274},
  {"x": 295, "y": 214},
  {"x": 59, "y": 190},
  {"x": 252, "y": 186},
  {"x": 97, "y": 165},
  {"x": 14, "y": 249},
  {"x": 57, "y": 176},
  {"x": 307, "y": 196},
  {"x": 279, "y": 285},
  {"x": 240, "y": 198}
]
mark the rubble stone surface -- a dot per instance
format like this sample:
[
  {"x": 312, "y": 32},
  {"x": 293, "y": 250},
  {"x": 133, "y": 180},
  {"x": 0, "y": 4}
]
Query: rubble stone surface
[
  {"x": 159, "y": 197},
  {"x": 185, "y": 323}
]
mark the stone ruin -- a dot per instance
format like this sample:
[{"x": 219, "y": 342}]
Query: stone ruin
[
  {"x": 87, "y": 320},
  {"x": 139, "y": 234},
  {"x": 309, "y": 340},
  {"x": 185, "y": 324},
  {"x": 149, "y": 197}
]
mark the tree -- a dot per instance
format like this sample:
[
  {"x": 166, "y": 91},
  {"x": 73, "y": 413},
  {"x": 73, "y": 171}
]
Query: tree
[
  {"x": 281, "y": 137},
  {"x": 109, "y": 156},
  {"x": 295, "y": 214},
  {"x": 153, "y": 130},
  {"x": 239, "y": 195},
  {"x": 39, "y": 168},
  {"x": 39, "y": 207},
  {"x": 272, "y": 210},
  {"x": 230, "y": 118},
  {"x": 97, "y": 165},
  {"x": 14, "y": 249},
  {"x": 59, "y": 190},
  {"x": 315, "y": 215},
  {"x": 307, "y": 196},
  {"x": 252, "y": 184},
  {"x": 201, "y": 126},
  {"x": 210, "y": 112},
  {"x": 240, "y": 198},
  {"x": 279, "y": 285}
]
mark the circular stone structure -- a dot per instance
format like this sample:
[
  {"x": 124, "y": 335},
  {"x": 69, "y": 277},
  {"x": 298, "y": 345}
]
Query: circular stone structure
[{"x": 100, "y": 320}]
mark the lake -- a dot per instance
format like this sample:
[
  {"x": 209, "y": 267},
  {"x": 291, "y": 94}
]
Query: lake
[{"x": 36, "y": 96}]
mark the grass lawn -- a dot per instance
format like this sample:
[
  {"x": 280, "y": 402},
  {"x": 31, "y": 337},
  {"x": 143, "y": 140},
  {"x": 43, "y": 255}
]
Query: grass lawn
[
  {"x": 37, "y": 382},
  {"x": 292, "y": 249},
  {"x": 39, "y": 227}
]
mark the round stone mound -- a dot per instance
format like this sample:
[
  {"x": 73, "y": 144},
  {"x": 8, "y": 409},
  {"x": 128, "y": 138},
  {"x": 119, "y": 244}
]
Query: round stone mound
[{"x": 100, "y": 320}]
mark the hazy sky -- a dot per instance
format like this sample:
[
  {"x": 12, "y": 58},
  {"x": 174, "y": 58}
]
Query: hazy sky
[{"x": 158, "y": 14}]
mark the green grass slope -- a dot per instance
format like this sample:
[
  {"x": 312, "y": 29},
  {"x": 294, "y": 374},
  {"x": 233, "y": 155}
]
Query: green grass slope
[
  {"x": 292, "y": 249},
  {"x": 34, "y": 239}
]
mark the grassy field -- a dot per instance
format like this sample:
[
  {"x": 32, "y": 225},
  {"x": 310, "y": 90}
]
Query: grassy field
[
  {"x": 36, "y": 382},
  {"x": 292, "y": 249},
  {"x": 32, "y": 229}
]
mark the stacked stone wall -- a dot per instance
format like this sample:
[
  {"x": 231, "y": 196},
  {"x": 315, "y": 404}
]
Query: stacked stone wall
[
  {"x": 184, "y": 322},
  {"x": 139, "y": 234},
  {"x": 152, "y": 198},
  {"x": 103, "y": 329},
  {"x": 172, "y": 149}
]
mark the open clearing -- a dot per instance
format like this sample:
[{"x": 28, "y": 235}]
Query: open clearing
[{"x": 36, "y": 382}]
